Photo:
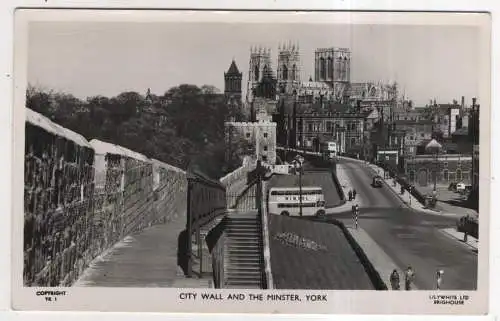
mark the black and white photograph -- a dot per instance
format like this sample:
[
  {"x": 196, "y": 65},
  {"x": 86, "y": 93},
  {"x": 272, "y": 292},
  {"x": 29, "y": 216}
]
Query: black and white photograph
[{"x": 257, "y": 154}]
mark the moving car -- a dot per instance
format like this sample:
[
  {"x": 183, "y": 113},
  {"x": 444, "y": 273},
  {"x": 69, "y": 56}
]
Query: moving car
[{"x": 377, "y": 181}]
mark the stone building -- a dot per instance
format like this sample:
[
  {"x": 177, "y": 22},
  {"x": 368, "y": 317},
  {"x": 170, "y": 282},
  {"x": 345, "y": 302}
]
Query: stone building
[
  {"x": 420, "y": 169},
  {"x": 447, "y": 118},
  {"x": 345, "y": 128},
  {"x": 260, "y": 137},
  {"x": 331, "y": 78},
  {"x": 415, "y": 132},
  {"x": 374, "y": 95},
  {"x": 232, "y": 85}
]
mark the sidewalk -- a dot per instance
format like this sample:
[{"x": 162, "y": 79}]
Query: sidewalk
[
  {"x": 459, "y": 236},
  {"x": 407, "y": 198},
  {"x": 445, "y": 197},
  {"x": 147, "y": 259},
  {"x": 346, "y": 185},
  {"x": 376, "y": 255}
]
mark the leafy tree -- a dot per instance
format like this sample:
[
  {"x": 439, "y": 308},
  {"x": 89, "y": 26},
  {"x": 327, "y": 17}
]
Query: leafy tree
[{"x": 184, "y": 127}]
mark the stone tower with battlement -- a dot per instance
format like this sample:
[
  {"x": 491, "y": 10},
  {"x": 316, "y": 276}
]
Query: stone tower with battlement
[
  {"x": 260, "y": 68},
  {"x": 288, "y": 68},
  {"x": 333, "y": 66},
  {"x": 232, "y": 84}
]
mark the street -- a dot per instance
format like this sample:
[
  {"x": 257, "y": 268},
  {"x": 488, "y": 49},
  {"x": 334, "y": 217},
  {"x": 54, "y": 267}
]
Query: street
[{"x": 409, "y": 237}]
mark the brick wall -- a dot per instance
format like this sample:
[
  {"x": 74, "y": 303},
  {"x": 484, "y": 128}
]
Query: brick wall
[
  {"x": 450, "y": 168},
  {"x": 82, "y": 197}
]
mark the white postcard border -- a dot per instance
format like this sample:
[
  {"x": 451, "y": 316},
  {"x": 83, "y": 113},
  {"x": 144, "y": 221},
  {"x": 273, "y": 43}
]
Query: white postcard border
[{"x": 167, "y": 300}]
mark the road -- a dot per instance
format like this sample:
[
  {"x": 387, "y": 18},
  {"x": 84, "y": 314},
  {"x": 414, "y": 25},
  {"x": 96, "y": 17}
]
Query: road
[{"x": 411, "y": 238}]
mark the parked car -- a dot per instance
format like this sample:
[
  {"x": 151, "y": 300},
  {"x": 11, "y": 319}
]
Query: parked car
[
  {"x": 377, "y": 181},
  {"x": 460, "y": 187}
]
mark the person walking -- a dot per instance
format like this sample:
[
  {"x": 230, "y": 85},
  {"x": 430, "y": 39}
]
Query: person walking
[
  {"x": 350, "y": 195},
  {"x": 354, "y": 194},
  {"x": 409, "y": 278},
  {"x": 395, "y": 280}
]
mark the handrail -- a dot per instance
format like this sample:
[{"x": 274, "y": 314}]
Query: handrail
[
  {"x": 265, "y": 242},
  {"x": 206, "y": 200}
]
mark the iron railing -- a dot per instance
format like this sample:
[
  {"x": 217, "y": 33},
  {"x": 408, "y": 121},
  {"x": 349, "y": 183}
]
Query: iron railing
[{"x": 206, "y": 200}]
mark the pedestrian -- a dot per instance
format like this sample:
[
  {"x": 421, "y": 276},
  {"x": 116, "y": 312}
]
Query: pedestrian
[
  {"x": 354, "y": 193},
  {"x": 395, "y": 280},
  {"x": 439, "y": 279},
  {"x": 409, "y": 277},
  {"x": 350, "y": 195}
]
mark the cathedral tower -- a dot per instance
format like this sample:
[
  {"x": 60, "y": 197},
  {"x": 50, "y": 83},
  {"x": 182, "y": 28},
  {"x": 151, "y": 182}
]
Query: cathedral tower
[
  {"x": 232, "y": 84},
  {"x": 260, "y": 70},
  {"x": 288, "y": 68},
  {"x": 333, "y": 66}
]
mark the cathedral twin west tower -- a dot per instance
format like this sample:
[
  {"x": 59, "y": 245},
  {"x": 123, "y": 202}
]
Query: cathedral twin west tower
[{"x": 331, "y": 75}]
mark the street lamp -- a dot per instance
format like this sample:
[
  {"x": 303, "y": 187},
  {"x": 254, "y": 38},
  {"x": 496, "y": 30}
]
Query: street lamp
[{"x": 299, "y": 160}]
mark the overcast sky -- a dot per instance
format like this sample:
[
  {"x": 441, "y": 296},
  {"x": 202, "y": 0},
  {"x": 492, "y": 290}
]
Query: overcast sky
[{"x": 88, "y": 59}]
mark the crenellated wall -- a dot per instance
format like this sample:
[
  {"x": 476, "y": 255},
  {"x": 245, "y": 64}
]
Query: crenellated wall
[{"x": 82, "y": 197}]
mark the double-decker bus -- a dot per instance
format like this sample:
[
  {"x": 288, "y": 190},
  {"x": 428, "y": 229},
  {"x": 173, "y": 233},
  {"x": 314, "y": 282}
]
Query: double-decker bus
[
  {"x": 330, "y": 149},
  {"x": 286, "y": 201}
]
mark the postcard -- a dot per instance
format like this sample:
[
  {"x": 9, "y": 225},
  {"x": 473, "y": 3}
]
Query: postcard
[{"x": 245, "y": 161}]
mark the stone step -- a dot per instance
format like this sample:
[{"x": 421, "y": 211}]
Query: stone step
[
  {"x": 243, "y": 277},
  {"x": 253, "y": 266},
  {"x": 244, "y": 260},
  {"x": 243, "y": 240},
  {"x": 243, "y": 246},
  {"x": 242, "y": 232},
  {"x": 244, "y": 286}
]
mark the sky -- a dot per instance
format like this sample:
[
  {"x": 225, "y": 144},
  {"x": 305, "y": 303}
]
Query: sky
[{"x": 107, "y": 58}]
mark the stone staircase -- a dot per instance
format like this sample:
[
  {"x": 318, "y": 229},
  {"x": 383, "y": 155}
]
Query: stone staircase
[{"x": 243, "y": 251}]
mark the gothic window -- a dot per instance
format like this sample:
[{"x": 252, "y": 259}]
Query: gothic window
[
  {"x": 353, "y": 141},
  {"x": 264, "y": 71},
  {"x": 294, "y": 72},
  {"x": 248, "y": 135},
  {"x": 265, "y": 148},
  {"x": 285, "y": 72},
  {"x": 265, "y": 135},
  {"x": 322, "y": 68},
  {"x": 256, "y": 73},
  {"x": 330, "y": 68}
]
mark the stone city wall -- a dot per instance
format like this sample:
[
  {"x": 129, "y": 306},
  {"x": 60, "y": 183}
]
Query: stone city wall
[{"x": 82, "y": 197}]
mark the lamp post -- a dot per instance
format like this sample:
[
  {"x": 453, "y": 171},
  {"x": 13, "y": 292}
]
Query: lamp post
[{"x": 298, "y": 163}]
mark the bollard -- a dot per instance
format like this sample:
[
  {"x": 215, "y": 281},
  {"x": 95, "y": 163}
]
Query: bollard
[{"x": 439, "y": 279}]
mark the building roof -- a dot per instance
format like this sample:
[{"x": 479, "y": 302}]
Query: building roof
[
  {"x": 433, "y": 144},
  {"x": 233, "y": 69}
]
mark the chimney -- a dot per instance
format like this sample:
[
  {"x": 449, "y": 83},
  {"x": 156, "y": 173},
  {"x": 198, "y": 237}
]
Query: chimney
[{"x": 463, "y": 102}]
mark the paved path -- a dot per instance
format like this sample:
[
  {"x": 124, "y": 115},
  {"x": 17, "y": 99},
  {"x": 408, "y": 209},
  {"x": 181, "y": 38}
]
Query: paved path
[
  {"x": 326, "y": 260},
  {"x": 410, "y": 237},
  {"x": 472, "y": 242},
  {"x": 148, "y": 259}
]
